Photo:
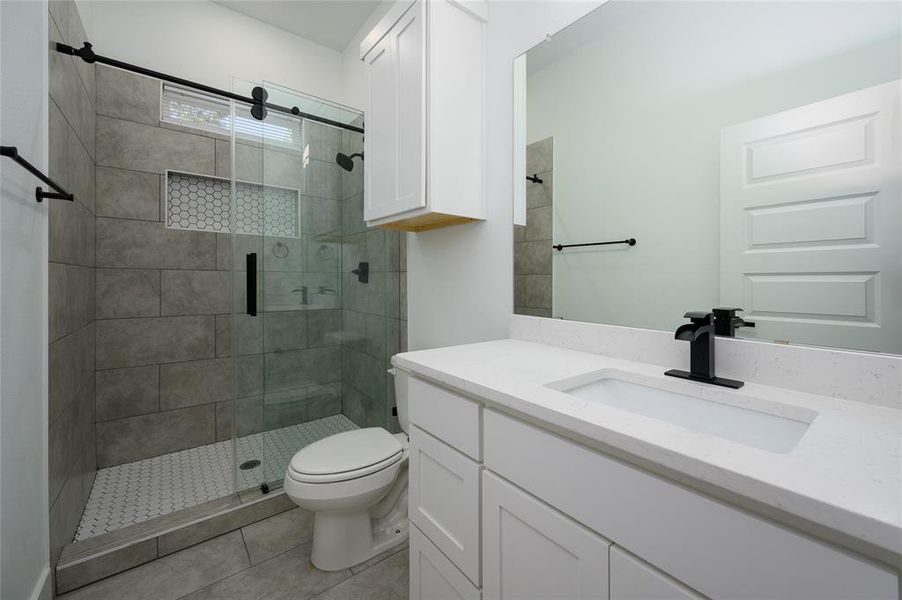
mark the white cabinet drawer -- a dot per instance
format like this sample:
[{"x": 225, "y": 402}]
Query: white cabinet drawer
[
  {"x": 533, "y": 551},
  {"x": 449, "y": 417},
  {"x": 634, "y": 579},
  {"x": 444, "y": 499},
  {"x": 717, "y": 549},
  {"x": 433, "y": 576}
]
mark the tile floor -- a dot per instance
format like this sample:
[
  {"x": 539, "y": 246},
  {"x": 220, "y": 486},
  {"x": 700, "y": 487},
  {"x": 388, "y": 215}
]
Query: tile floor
[
  {"x": 131, "y": 493},
  {"x": 268, "y": 560}
]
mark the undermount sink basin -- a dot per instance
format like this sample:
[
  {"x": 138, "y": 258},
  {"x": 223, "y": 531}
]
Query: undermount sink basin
[{"x": 718, "y": 415}]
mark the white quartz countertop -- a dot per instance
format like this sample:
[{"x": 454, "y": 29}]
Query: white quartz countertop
[{"x": 844, "y": 475}]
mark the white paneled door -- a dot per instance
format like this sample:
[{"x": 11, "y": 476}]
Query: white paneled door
[{"x": 811, "y": 222}]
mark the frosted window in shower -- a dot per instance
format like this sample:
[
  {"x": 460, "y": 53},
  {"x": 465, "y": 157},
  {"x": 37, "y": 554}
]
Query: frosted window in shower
[{"x": 187, "y": 108}]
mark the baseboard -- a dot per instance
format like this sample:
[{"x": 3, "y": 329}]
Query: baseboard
[{"x": 43, "y": 587}]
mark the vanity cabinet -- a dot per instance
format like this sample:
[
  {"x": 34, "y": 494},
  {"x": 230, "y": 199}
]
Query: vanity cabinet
[
  {"x": 444, "y": 500},
  {"x": 526, "y": 513},
  {"x": 533, "y": 551},
  {"x": 445, "y": 493},
  {"x": 433, "y": 576},
  {"x": 634, "y": 579},
  {"x": 425, "y": 121}
]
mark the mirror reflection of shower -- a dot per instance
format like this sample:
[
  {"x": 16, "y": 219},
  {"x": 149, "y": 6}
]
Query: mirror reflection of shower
[{"x": 347, "y": 162}]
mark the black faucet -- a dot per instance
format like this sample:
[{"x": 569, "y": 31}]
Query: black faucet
[
  {"x": 700, "y": 335},
  {"x": 726, "y": 322}
]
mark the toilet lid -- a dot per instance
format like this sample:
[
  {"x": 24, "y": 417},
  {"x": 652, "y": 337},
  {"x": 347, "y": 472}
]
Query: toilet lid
[{"x": 348, "y": 451}]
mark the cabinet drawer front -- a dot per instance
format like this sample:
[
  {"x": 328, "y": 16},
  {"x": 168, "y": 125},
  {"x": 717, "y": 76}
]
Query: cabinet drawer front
[
  {"x": 433, "y": 576},
  {"x": 634, "y": 579},
  {"x": 532, "y": 551},
  {"x": 444, "y": 499},
  {"x": 717, "y": 549},
  {"x": 447, "y": 416}
]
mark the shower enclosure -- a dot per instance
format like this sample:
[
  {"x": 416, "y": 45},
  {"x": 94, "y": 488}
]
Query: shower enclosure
[{"x": 253, "y": 314}]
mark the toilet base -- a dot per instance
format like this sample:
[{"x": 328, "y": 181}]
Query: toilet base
[{"x": 343, "y": 540}]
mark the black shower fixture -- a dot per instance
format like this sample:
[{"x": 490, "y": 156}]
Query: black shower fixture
[{"x": 347, "y": 162}]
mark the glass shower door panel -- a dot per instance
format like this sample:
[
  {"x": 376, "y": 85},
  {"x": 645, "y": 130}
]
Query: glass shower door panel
[
  {"x": 240, "y": 335},
  {"x": 302, "y": 287}
]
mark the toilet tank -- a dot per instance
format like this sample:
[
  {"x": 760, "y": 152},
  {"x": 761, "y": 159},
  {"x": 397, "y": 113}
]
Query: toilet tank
[{"x": 401, "y": 396}]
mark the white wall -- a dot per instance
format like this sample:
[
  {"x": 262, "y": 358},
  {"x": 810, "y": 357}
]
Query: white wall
[
  {"x": 460, "y": 279},
  {"x": 211, "y": 44},
  {"x": 636, "y": 117},
  {"x": 24, "y": 537}
]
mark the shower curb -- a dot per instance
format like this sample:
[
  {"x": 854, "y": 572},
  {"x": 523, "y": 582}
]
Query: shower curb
[{"x": 96, "y": 558}]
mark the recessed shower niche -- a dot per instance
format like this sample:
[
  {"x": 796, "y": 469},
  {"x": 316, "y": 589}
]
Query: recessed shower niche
[{"x": 203, "y": 203}]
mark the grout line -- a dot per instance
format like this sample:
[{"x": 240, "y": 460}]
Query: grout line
[{"x": 244, "y": 541}]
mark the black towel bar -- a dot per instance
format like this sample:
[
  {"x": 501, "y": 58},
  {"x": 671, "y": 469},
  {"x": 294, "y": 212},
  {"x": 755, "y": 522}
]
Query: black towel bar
[
  {"x": 629, "y": 242},
  {"x": 60, "y": 194}
]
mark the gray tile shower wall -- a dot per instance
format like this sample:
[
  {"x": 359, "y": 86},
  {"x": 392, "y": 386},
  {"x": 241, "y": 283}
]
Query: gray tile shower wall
[
  {"x": 164, "y": 296},
  {"x": 374, "y": 315},
  {"x": 72, "y": 462},
  {"x": 532, "y": 242}
]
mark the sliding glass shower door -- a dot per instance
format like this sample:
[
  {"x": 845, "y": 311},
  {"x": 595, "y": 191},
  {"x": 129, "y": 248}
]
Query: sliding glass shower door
[{"x": 288, "y": 284}]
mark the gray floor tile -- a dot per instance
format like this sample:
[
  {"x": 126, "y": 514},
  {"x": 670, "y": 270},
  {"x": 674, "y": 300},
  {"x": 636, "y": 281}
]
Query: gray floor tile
[
  {"x": 173, "y": 576},
  {"x": 275, "y": 535},
  {"x": 79, "y": 574},
  {"x": 387, "y": 580},
  {"x": 379, "y": 558},
  {"x": 288, "y": 576}
]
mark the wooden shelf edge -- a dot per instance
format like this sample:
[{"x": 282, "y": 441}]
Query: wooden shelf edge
[{"x": 427, "y": 222}]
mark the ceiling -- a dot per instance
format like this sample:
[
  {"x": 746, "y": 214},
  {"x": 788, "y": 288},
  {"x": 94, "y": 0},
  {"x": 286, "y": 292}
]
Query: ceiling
[{"x": 331, "y": 23}]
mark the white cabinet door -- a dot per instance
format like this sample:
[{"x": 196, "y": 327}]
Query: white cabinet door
[
  {"x": 409, "y": 39},
  {"x": 810, "y": 212},
  {"x": 444, "y": 499},
  {"x": 634, "y": 579},
  {"x": 433, "y": 576},
  {"x": 395, "y": 122},
  {"x": 381, "y": 139},
  {"x": 531, "y": 551}
]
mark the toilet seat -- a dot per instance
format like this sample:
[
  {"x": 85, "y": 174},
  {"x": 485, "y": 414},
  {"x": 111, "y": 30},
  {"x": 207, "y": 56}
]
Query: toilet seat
[{"x": 346, "y": 456}]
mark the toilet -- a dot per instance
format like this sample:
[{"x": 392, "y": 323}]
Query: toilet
[{"x": 355, "y": 483}]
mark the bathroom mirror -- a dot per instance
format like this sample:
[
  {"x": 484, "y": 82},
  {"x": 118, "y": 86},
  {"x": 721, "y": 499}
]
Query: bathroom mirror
[{"x": 750, "y": 151}]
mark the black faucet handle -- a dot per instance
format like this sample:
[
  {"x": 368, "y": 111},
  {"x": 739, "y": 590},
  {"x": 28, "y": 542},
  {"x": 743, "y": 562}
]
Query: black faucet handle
[
  {"x": 700, "y": 317},
  {"x": 726, "y": 322}
]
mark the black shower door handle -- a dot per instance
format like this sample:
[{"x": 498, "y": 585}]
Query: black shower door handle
[{"x": 252, "y": 284}]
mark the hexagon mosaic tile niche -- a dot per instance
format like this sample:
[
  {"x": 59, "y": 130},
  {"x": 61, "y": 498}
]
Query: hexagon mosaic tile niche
[{"x": 201, "y": 203}]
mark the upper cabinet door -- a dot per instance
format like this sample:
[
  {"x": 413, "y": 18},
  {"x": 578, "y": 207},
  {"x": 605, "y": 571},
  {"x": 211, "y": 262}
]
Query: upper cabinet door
[
  {"x": 409, "y": 39},
  {"x": 532, "y": 551},
  {"x": 395, "y": 123},
  {"x": 381, "y": 138}
]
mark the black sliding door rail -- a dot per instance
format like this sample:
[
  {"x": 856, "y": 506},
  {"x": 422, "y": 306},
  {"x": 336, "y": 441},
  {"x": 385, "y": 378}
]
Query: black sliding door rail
[
  {"x": 61, "y": 194},
  {"x": 257, "y": 101}
]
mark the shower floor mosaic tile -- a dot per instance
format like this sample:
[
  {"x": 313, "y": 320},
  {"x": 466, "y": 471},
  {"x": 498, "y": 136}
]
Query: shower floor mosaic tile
[{"x": 131, "y": 493}]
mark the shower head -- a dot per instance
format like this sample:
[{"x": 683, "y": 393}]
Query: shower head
[{"x": 347, "y": 162}]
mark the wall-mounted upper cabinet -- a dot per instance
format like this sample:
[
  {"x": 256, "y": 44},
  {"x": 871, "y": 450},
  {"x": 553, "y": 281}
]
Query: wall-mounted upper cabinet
[{"x": 425, "y": 133}]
